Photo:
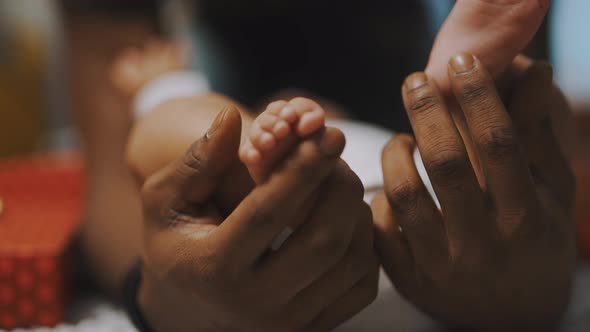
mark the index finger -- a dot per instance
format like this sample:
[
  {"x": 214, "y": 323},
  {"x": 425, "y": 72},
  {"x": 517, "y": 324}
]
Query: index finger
[{"x": 249, "y": 231}]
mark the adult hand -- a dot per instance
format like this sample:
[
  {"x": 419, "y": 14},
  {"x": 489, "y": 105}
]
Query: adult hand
[
  {"x": 500, "y": 255},
  {"x": 208, "y": 272}
]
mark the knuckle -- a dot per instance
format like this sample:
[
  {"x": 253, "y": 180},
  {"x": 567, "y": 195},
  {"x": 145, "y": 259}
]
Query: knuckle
[
  {"x": 154, "y": 200},
  {"x": 192, "y": 161},
  {"x": 313, "y": 162},
  {"x": 310, "y": 157},
  {"x": 474, "y": 88},
  {"x": 515, "y": 225},
  {"x": 498, "y": 142},
  {"x": 329, "y": 247},
  {"x": 345, "y": 182},
  {"x": 404, "y": 196},
  {"x": 447, "y": 164},
  {"x": 397, "y": 143},
  {"x": 423, "y": 100},
  {"x": 478, "y": 255}
]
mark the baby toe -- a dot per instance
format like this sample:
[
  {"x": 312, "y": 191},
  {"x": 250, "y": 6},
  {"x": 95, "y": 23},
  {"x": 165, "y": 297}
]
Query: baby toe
[
  {"x": 310, "y": 122},
  {"x": 249, "y": 154},
  {"x": 289, "y": 114},
  {"x": 281, "y": 129},
  {"x": 260, "y": 138}
]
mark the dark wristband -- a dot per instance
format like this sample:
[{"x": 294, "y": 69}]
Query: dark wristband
[{"x": 130, "y": 295}]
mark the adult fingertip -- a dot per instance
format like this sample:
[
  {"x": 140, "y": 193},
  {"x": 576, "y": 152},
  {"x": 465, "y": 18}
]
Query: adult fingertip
[
  {"x": 467, "y": 75},
  {"x": 216, "y": 124},
  {"x": 415, "y": 81},
  {"x": 225, "y": 133},
  {"x": 398, "y": 141},
  {"x": 332, "y": 142},
  {"x": 381, "y": 216},
  {"x": 462, "y": 63},
  {"x": 215, "y": 151},
  {"x": 228, "y": 116}
]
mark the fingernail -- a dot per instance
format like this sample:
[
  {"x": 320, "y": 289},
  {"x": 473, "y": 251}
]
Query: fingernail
[
  {"x": 462, "y": 63},
  {"x": 217, "y": 122},
  {"x": 415, "y": 81},
  {"x": 286, "y": 112},
  {"x": 332, "y": 143}
]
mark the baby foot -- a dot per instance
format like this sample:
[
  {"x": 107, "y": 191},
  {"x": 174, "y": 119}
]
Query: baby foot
[
  {"x": 276, "y": 132},
  {"x": 493, "y": 30}
]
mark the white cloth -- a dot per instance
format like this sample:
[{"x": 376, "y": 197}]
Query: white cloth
[{"x": 169, "y": 86}]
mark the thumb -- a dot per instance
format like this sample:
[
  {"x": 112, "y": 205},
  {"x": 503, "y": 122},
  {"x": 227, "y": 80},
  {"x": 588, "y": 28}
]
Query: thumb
[
  {"x": 196, "y": 175},
  {"x": 493, "y": 30}
]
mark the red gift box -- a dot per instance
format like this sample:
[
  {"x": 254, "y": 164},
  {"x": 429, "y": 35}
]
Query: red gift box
[{"x": 41, "y": 206}]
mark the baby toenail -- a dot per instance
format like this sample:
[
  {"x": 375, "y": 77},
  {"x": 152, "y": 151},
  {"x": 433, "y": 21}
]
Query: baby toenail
[
  {"x": 287, "y": 111},
  {"x": 280, "y": 128},
  {"x": 267, "y": 140}
]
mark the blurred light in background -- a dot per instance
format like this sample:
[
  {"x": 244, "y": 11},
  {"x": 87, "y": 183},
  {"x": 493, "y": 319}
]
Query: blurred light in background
[
  {"x": 32, "y": 98},
  {"x": 571, "y": 49}
]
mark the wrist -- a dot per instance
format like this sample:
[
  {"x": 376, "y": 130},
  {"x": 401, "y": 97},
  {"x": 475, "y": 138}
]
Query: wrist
[
  {"x": 168, "y": 86},
  {"x": 164, "y": 307},
  {"x": 130, "y": 291},
  {"x": 146, "y": 302}
]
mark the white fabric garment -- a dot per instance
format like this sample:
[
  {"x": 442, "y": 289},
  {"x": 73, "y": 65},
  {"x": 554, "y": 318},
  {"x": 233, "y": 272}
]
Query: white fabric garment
[{"x": 169, "y": 86}]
